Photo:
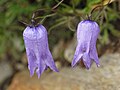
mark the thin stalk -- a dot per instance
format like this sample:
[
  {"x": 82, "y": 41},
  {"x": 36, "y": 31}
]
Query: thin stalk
[
  {"x": 57, "y": 5},
  {"x": 49, "y": 15}
]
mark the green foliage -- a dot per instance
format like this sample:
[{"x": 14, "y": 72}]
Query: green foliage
[
  {"x": 67, "y": 16},
  {"x": 75, "y": 2},
  {"x": 90, "y": 4}
]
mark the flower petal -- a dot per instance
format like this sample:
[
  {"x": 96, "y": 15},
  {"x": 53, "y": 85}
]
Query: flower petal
[
  {"x": 50, "y": 62},
  {"x": 41, "y": 67},
  {"x": 47, "y": 57},
  {"x": 75, "y": 60},
  {"x": 30, "y": 55},
  {"x": 77, "y": 56},
  {"x": 94, "y": 56},
  {"x": 86, "y": 60}
]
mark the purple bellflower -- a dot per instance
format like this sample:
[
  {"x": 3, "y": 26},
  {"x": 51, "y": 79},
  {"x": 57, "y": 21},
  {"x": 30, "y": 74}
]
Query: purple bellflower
[
  {"x": 37, "y": 49},
  {"x": 87, "y": 34}
]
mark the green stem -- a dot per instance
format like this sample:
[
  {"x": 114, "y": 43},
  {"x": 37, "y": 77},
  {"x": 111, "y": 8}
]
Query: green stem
[
  {"x": 57, "y": 4},
  {"x": 50, "y": 15}
]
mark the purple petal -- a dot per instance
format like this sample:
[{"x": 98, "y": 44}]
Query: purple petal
[
  {"x": 41, "y": 67},
  {"x": 86, "y": 60},
  {"x": 75, "y": 60},
  {"x": 94, "y": 56},
  {"x": 32, "y": 65},
  {"x": 47, "y": 57},
  {"x": 50, "y": 62},
  {"x": 77, "y": 56},
  {"x": 37, "y": 49}
]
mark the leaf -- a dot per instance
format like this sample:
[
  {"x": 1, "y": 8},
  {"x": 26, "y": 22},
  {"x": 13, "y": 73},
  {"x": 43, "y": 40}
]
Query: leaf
[
  {"x": 114, "y": 31},
  {"x": 106, "y": 2},
  {"x": 57, "y": 23},
  {"x": 104, "y": 38},
  {"x": 75, "y": 2},
  {"x": 103, "y": 3}
]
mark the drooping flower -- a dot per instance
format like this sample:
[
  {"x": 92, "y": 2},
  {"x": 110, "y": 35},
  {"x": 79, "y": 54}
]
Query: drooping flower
[
  {"x": 37, "y": 49},
  {"x": 87, "y": 34}
]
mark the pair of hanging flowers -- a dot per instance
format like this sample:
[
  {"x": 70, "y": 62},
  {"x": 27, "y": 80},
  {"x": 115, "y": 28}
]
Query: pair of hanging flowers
[{"x": 38, "y": 53}]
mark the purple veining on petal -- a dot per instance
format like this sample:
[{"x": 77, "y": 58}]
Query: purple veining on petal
[
  {"x": 37, "y": 49},
  {"x": 87, "y": 34}
]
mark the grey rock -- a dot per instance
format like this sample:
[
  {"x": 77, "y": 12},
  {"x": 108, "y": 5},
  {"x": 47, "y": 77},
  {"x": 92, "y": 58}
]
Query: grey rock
[
  {"x": 104, "y": 78},
  {"x": 5, "y": 71},
  {"x": 58, "y": 49},
  {"x": 70, "y": 49}
]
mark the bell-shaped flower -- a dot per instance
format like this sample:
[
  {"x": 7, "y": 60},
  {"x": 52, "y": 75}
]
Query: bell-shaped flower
[
  {"x": 37, "y": 49},
  {"x": 87, "y": 34}
]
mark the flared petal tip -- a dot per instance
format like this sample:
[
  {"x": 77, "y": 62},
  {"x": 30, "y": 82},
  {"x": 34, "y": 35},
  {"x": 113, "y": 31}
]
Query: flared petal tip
[
  {"x": 31, "y": 71},
  {"x": 53, "y": 67},
  {"x": 73, "y": 64},
  {"x": 55, "y": 70},
  {"x": 98, "y": 65},
  {"x": 31, "y": 74},
  {"x": 87, "y": 66},
  {"x": 39, "y": 76},
  {"x": 76, "y": 59},
  {"x": 38, "y": 73}
]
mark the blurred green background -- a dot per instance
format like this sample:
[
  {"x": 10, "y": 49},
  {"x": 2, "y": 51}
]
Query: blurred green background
[{"x": 61, "y": 26}]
